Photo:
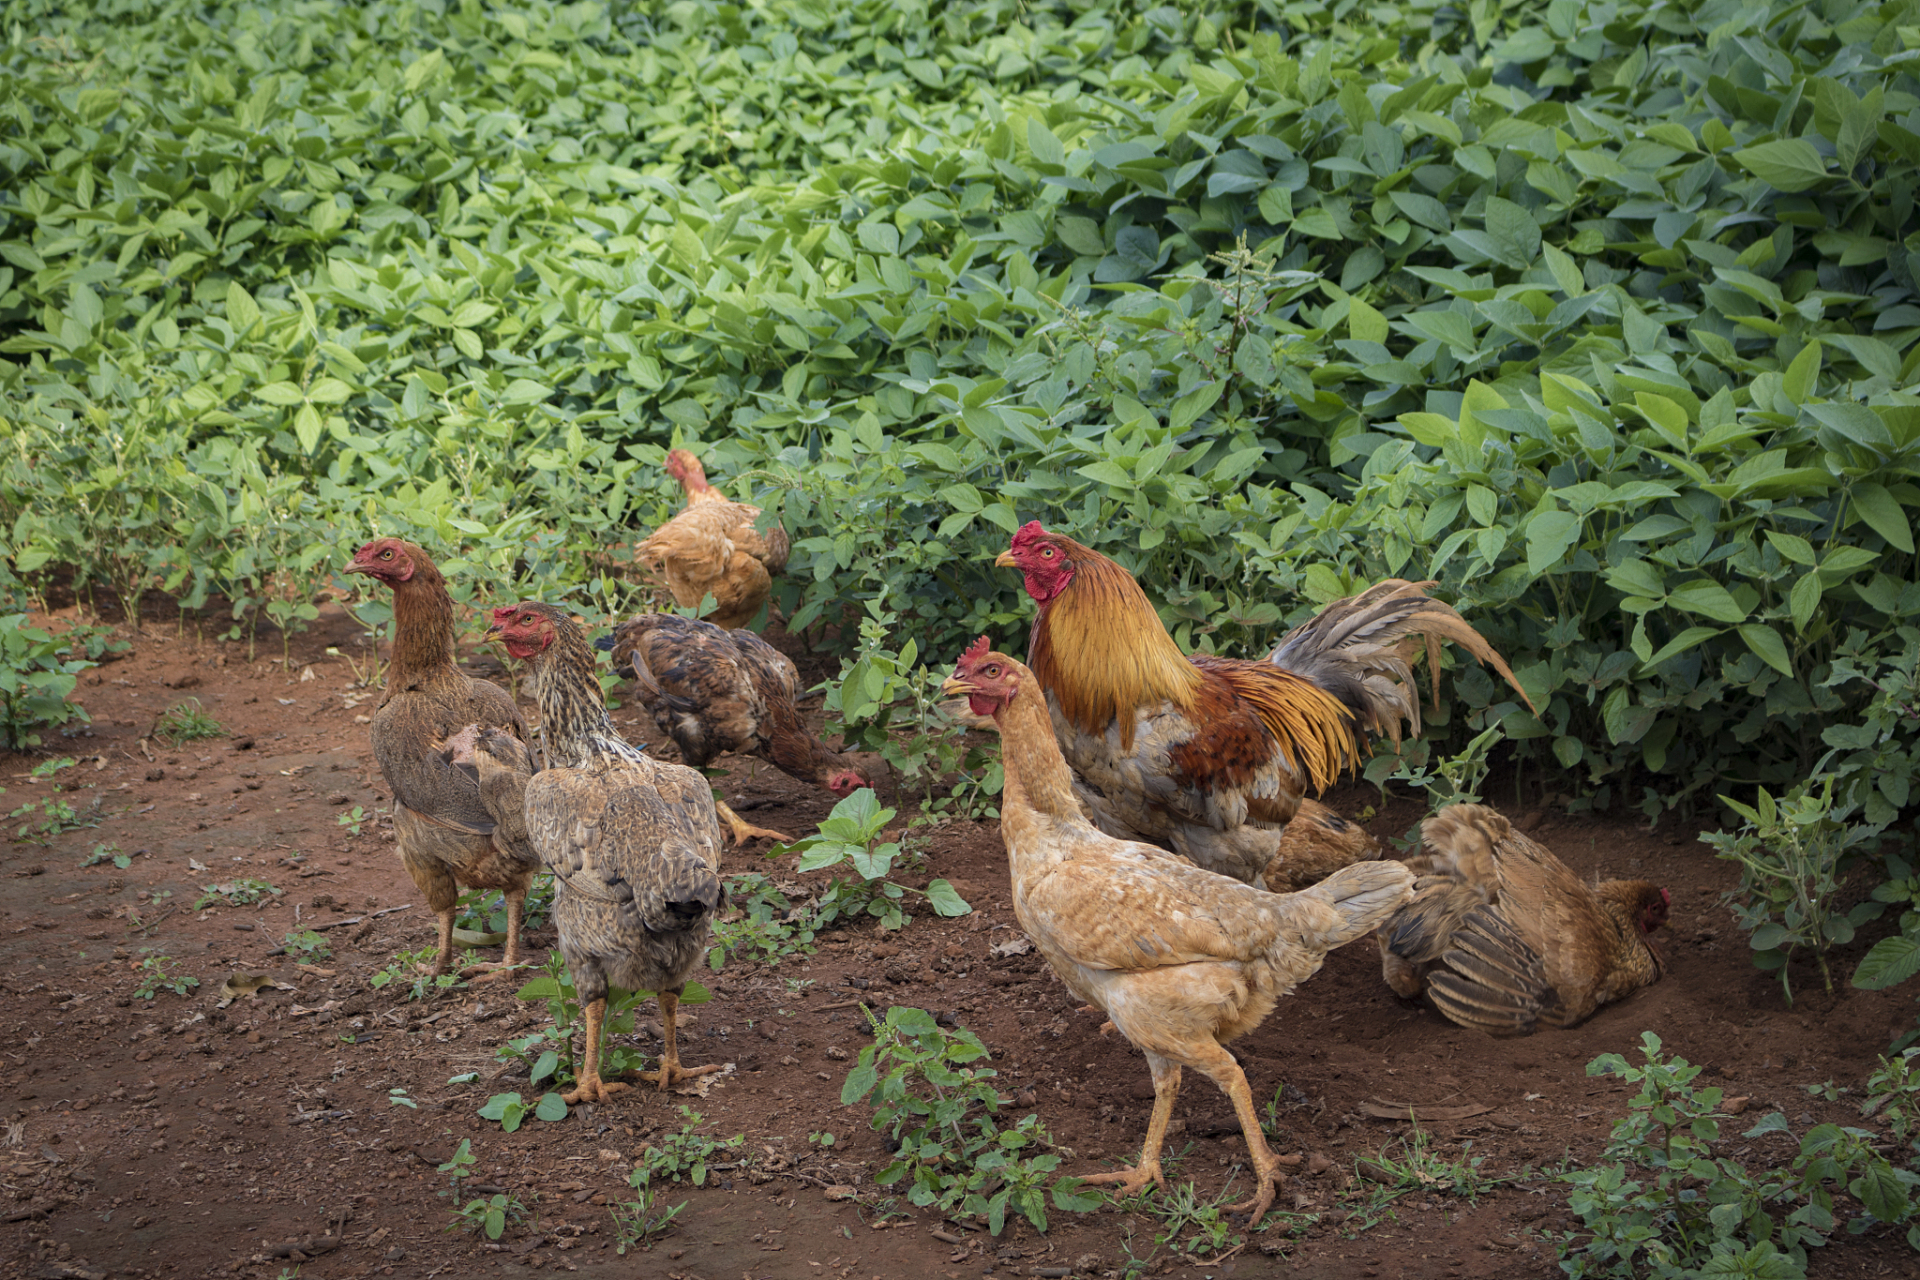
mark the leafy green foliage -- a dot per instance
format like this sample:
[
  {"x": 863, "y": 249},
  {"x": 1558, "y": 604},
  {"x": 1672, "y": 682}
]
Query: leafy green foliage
[
  {"x": 109, "y": 851},
  {"x": 37, "y": 672},
  {"x": 485, "y": 910},
  {"x": 244, "y": 891},
  {"x": 54, "y": 814},
  {"x": 1668, "y": 1206},
  {"x": 1793, "y": 854},
  {"x": 509, "y": 1109},
  {"x": 1603, "y": 314},
  {"x": 940, "y": 1114},
  {"x": 307, "y": 946},
  {"x": 415, "y": 970},
  {"x": 850, "y": 836},
  {"x": 761, "y": 924}
]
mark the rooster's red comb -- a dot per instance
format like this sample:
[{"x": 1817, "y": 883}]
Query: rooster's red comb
[
  {"x": 1030, "y": 533},
  {"x": 976, "y": 652},
  {"x": 501, "y": 612}
]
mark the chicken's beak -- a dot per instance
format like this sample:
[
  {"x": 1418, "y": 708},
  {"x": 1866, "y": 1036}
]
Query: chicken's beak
[
  {"x": 354, "y": 566},
  {"x": 1005, "y": 560},
  {"x": 954, "y": 686},
  {"x": 494, "y": 632}
]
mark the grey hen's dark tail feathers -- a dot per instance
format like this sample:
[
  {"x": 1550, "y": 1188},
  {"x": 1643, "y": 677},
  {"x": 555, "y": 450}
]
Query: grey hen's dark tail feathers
[
  {"x": 683, "y": 893},
  {"x": 1360, "y": 650}
]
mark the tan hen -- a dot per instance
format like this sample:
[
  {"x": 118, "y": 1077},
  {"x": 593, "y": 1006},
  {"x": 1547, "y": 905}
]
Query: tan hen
[{"x": 1181, "y": 959}]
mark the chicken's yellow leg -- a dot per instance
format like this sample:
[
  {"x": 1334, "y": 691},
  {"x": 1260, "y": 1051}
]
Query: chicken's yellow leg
[
  {"x": 588, "y": 1086},
  {"x": 1226, "y": 1073},
  {"x": 1166, "y": 1087},
  {"x": 671, "y": 1072},
  {"x": 744, "y": 831},
  {"x": 516, "y": 908}
]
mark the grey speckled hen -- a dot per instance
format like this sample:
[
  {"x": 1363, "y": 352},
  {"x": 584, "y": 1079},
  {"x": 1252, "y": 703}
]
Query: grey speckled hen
[{"x": 633, "y": 841}]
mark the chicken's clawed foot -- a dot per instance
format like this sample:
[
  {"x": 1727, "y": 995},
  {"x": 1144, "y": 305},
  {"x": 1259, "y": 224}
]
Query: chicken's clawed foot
[
  {"x": 672, "y": 1073},
  {"x": 593, "y": 1089},
  {"x": 489, "y": 971},
  {"x": 1129, "y": 1182}
]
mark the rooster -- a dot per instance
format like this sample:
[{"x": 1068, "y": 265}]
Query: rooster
[
  {"x": 1211, "y": 756},
  {"x": 712, "y": 548},
  {"x": 1503, "y": 937}
]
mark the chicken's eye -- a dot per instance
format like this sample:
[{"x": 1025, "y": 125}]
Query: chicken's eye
[
  {"x": 1047, "y": 552},
  {"x": 992, "y": 672},
  {"x": 387, "y": 554}
]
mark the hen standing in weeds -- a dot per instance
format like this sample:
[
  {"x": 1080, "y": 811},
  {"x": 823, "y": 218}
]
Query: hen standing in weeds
[
  {"x": 712, "y": 548},
  {"x": 1182, "y": 960},
  {"x": 451, "y": 827},
  {"x": 634, "y": 843},
  {"x": 1212, "y": 757}
]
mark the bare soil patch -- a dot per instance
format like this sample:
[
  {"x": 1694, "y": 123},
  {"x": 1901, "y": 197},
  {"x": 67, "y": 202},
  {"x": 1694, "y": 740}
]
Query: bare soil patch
[{"x": 170, "y": 1137}]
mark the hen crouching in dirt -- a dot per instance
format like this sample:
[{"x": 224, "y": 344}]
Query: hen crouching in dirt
[
  {"x": 1503, "y": 937},
  {"x": 1182, "y": 959},
  {"x": 634, "y": 843}
]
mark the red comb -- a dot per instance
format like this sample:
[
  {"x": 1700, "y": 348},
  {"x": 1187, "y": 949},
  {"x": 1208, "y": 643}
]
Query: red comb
[
  {"x": 502, "y": 612},
  {"x": 976, "y": 651},
  {"x": 1031, "y": 531}
]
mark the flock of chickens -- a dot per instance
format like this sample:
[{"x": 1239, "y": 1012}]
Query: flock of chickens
[{"x": 1164, "y": 856}]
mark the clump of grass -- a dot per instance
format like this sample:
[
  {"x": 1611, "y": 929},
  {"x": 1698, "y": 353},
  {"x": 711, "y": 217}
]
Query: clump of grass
[{"x": 186, "y": 722}]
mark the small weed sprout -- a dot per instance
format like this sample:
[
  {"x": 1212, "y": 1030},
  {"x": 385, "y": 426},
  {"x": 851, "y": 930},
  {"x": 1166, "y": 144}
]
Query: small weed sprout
[
  {"x": 415, "y": 969},
  {"x": 108, "y": 852},
  {"x": 352, "y": 819},
  {"x": 940, "y": 1111},
  {"x": 186, "y": 721},
  {"x": 154, "y": 978},
  {"x": 307, "y": 946},
  {"x": 851, "y": 837},
  {"x": 245, "y": 892}
]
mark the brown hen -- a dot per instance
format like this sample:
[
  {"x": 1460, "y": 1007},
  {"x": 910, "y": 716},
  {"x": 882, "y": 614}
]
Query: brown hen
[
  {"x": 634, "y": 843},
  {"x": 713, "y": 691},
  {"x": 1181, "y": 959},
  {"x": 1504, "y": 938},
  {"x": 712, "y": 548},
  {"x": 448, "y": 829}
]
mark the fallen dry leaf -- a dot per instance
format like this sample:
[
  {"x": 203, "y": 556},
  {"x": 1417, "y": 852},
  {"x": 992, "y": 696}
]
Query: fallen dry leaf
[
  {"x": 1419, "y": 1111},
  {"x": 698, "y": 1086},
  {"x": 248, "y": 985},
  {"x": 1012, "y": 947},
  {"x": 194, "y": 864}
]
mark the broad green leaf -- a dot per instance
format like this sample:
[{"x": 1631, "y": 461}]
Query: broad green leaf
[
  {"x": 1766, "y": 642},
  {"x": 1549, "y": 535},
  {"x": 1787, "y": 164},
  {"x": 1884, "y": 514},
  {"x": 1707, "y": 598}
]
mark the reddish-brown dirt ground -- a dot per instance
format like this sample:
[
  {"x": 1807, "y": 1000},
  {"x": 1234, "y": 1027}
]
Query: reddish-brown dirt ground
[{"x": 169, "y": 1137}]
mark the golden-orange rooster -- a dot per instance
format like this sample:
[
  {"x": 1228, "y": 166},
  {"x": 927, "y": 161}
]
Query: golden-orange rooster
[
  {"x": 1181, "y": 959},
  {"x": 712, "y": 548},
  {"x": 1211, "y": 756},
  {"x": 1504, "y": 937}
]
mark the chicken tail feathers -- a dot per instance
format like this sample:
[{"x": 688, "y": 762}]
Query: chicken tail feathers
[
  {"x": 1362, "y": 896},
  {"x": 1492, "y": 981},
  {"x": 1360, "y": 650},
  {"x": 684, "y": 894}
]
